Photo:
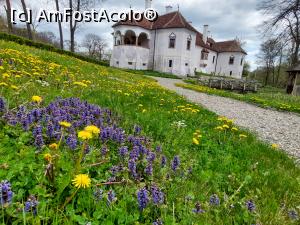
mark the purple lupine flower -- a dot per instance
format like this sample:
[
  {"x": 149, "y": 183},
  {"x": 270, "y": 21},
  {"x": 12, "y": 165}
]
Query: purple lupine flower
[
  {"x": 72, "y": 141},
  {"x": 104, "y": 151},
  {"x": 293, "y": 215},
  {"x": 158, "y": 148},
  {"x": 157, "y": 195},
  {"x": 149, "y": 169},
  {"x": 6, "y": 193},
  {"x": 250, "y": 205},
  {"x": 137, "y": 130},
  {"x": 111, "y": 197},
  {"x": 175, "y": 163},
  {"x": 98, "y": 194},
  {"x": 2, "y": 105},
  {"x": 134, "y": 154},
  {"x": 38, "y": 130},
  {"x": 132, "y": 167},
  {"x": 198, "y": 209},
  {"x": 143, "y": 198},
  {"x": 151, "y": 156},
  {"x": 31, "y": 205},
  {"x": 39, "y": 141},
  {"x": 163, "y": 161},
  {"x": 158, "y": 222},
  {"x": 25, "y": 123},
  {"x": 214, "y": 200},
  {"x": 123, "y": 151}
]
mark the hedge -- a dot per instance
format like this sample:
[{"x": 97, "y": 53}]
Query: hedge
[{"x": 47, "y": 47}]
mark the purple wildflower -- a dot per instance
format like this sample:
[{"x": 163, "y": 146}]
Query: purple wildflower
[
  {"x": 39, "y": 141},
  {"x": 71, "y": 141},
  {"x": 198, "y": 209},
  {"x": 104, "y": 151},
  {"x": 158, "y": 148},
  {"x": 2, "y": 105},
  {"x": 123, "y": 151},
  {"x": 151, "y": 156},
  {"x": 175, "y": 163},
  {"x": 98, "y": 194},
  {"x": 214, "y": 200},
  {"x": 132, "y": 167},
  {"x": 6, "y": 193},
  {"x": 149, "y": 169},
  {"x": 143, "y": 199},
  {"x": 158, "y": 222},
  {"x": 137, "y": 130},
  {"x": 111, "y": 197},
  {"x": 250, "y": 206},
  {"x": 163, "y": 161},
  {"x": 31, "y": 205},
  {"x": 157, "y": 195}
]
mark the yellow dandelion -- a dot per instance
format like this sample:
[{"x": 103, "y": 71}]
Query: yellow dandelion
[
  {"x": 82, "y": 181},
  {"x": 243, "y": 136},
  {"x": 92, "y": 129},
  {"x": 14, "y": 87},
  {"x": 219, "y": 128},
  {"x": 275, "y": 146},
  {"x": 65, "y": 124},
  {"x": 53, "y": 146},
  {"x": 5, "y": 75},
  {"x": 196, "y": 141},
  {"x": 85, "y": 135},
  {"x": 36, "y": 99},
  {"x": 3, "y": 84},
  {"x": 48, "y": 157},
  {"x": 225, "y": 126},
  {"x": 234, "y": 129},
  {"x": 144, "y": 110}
]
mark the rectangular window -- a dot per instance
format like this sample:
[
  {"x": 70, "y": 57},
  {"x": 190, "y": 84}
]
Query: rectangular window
[
  {"x": 204, "y": 55},
  {"x": 172, "y": 43},
  {"x": 130, "y": 63},
  {"x": 170, "y": 63},
  {"x": 186, "y": 64},
  {"x": 231, "y": 60},
  {"x": 242, "y": 60},
  {"x": 188, "y": 46},
  {"x": 144, "y": 64},
  {"x": 230, "y": 73},
  {"x": 214, "y": 59},
  {"x": 117, "y": 62}
]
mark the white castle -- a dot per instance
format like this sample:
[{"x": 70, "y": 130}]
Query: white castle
[{"x": 172, "y": 45}]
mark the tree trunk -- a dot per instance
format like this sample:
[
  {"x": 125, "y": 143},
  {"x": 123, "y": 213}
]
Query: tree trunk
[
  {"x": 72, "y": 47},
  {"x": 61, "y": 37},
  {"x": 279, "y": 67},
  {"x": 296, "y": 54},
  {"x": 8, "y": 16},
  {"x": 26, "y": 17}
]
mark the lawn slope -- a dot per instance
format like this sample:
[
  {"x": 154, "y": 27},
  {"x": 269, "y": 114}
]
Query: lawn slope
[{"x": 215, "y": 173}]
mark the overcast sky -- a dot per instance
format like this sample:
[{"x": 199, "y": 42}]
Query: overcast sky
[{"x": 227, "y": 19}]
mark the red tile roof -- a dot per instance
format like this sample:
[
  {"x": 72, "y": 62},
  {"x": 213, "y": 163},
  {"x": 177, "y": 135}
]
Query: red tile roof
[{"x": 176, "y": 20}]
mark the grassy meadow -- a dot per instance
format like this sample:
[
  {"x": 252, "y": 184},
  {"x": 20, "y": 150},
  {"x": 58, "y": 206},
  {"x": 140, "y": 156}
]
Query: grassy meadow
[
  {"x": 267, "y": 97},
  {"x": 86, "y": 144}
]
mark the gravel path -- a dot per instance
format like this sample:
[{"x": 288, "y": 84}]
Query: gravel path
[{"x": 281, "y": 128}]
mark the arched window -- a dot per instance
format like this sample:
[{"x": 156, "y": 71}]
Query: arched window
[
  {"x": 189, "y": 42},
  {"x": 172, "y": 40},
  {"x": 231, "y": 60}
]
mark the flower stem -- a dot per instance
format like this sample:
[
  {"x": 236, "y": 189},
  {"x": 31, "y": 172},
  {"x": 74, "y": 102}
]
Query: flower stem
[
  {"x": 69, "y": 199},
  {"x": 77, "y": 167}
]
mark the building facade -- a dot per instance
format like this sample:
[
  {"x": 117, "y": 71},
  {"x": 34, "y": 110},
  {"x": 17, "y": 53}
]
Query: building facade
[{"x": 173, "y": 45}]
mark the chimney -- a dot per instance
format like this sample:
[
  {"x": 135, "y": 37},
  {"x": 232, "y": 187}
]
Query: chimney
[
  {"x": 148, "y": 4},
  {"x": 169, "y": 9},
  {"x": 205, "y": 33}
]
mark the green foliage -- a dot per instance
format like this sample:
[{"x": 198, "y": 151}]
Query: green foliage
[
  {"x": 152, "y": 73},
  {"x": 236, "y": 169}
]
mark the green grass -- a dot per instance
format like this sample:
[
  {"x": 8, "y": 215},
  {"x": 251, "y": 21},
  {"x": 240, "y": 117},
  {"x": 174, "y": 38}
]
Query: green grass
[
  {"x": 236, "y": 169},
  {"x": 152, "y": 73},
  {"x": 267, "y": 97}
]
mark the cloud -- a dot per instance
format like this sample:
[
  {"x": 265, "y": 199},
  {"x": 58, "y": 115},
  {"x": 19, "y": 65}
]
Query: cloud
[{"x": 227, "y": 19}]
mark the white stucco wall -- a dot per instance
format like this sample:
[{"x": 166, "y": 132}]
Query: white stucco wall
[
  {"x": 224, "y": 68},
  {"x": 137, "y": 56},
  {"x": 183, "y": 62}
]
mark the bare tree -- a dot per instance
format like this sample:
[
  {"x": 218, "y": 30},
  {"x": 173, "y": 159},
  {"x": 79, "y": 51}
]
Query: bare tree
[
  {"x": 29, "y": 31},
  {"x": 283, "y": 22},
  {"x": 8, "y": 16},
  {"x": 61, "y": 37},
  {"x": 269, "y": 51},
  {"x": 95, "y": 45}
]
